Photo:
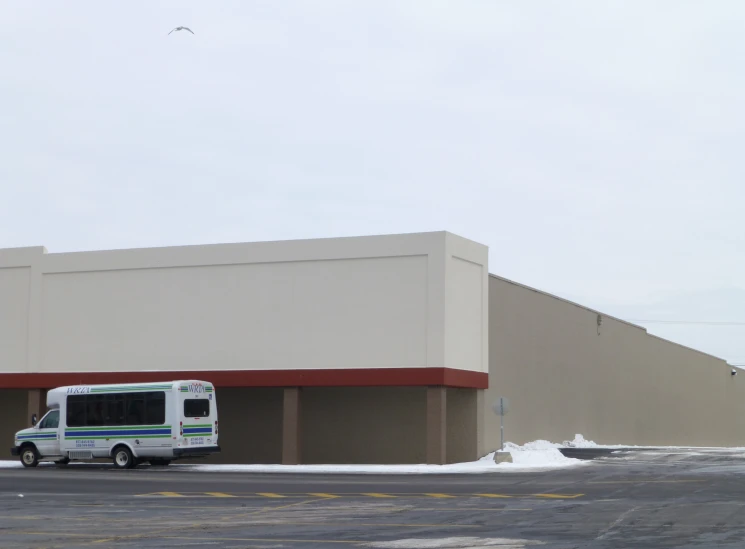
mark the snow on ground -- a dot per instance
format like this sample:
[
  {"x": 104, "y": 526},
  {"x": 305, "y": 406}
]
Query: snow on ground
[
  {"x": 580, "y": 442},
  {"x": 539, "y": 455},
  {"x": 534, "y": 456}
]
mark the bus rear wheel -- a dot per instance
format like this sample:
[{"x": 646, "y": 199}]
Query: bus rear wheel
[{"x": 123, "y": 458}]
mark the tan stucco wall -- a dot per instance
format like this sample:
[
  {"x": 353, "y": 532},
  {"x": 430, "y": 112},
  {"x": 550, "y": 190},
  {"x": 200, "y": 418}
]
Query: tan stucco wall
[
  {"x": 466, "y": 305},
  {"x": 615, "y": 385},
  {"x": 398, "y": 301},
  {"x": 14, "y": 314}
]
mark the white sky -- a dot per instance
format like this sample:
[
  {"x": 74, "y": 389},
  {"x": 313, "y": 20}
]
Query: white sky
[{"x": 591, "y": 145}]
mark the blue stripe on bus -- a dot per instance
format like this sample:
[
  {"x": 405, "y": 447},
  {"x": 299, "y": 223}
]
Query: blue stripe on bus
[
  {"x": 192, "y": 430},
  {"x": 113, "y": 433}
]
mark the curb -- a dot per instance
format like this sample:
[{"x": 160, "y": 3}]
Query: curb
[{"x": 594, "y": 453}]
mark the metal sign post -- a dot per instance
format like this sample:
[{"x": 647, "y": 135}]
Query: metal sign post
[
  {"x": 501, "y": 424},
  {"x": 500, "y": 407}
]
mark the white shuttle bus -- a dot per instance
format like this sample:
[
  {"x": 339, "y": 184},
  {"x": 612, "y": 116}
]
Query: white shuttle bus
[{"x": 131, "y": 424}]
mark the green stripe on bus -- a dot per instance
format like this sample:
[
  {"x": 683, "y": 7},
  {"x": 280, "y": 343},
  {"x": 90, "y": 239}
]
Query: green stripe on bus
[
  {"x": 129, "y": 386},
  {"x": 127, "y": 389},
  {"x": 197, "y": 435}
]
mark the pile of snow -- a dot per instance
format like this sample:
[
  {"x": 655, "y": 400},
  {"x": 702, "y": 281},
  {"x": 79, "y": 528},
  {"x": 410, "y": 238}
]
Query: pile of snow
[
  {"x": 540, "y": 454},
  {"x": 5, "y": 464},
  {"x": 579, "y": 442}
]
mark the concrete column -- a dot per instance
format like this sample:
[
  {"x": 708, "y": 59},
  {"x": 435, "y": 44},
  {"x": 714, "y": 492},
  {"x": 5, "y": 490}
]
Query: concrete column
[
  {"x": 37, "y": 404},
  {"x": 291, "y": 426},
  {"x": 436, "y": 425},
  {"x": 481, "y": 410}
]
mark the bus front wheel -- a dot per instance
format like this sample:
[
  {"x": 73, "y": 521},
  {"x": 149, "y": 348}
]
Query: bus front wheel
[{"x": 29, "y": 456}]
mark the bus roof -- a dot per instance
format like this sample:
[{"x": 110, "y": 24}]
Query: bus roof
[{"x": 58, "y": 393}]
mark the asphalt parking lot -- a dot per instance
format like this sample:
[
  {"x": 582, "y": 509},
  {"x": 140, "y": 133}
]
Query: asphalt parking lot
[{"x": 640, "y": 499}]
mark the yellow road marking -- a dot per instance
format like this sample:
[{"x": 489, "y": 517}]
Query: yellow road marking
[
  {"x": 327, "y": 495},
  {"x": 461, "y": 509},
  {"x": 558, "y": 496},
  {"x": 373, "y": 524},
  {"x": 54, "y": 533},
  {"x": 269, "y": 540},
  {"x": 24, "y": 517},
  {"x": 187, "y": 506},
  {"x": 163, "y": 533},
  {"x": 272, "y": 508},
  {"x": 642, "y": 481}
]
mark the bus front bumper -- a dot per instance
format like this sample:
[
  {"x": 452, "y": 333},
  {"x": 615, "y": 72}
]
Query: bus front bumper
[{"x": 199, "y": 451}]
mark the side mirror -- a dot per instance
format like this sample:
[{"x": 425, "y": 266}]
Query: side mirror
[{"x": 33, "y": 420}]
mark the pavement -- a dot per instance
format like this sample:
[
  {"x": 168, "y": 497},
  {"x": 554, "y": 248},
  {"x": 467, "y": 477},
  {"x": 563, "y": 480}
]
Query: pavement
[{"x": 635, "y": 499}]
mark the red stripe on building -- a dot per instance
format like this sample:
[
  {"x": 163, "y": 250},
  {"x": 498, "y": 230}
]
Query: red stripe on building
[{"x": 370, "y": 377}]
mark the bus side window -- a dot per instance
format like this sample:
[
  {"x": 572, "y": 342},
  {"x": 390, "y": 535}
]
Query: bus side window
[
  {"x": 51, "y": 421},
  {"x": 95, "y": 412},
  {"x": 76, "y": 411},
  {"x": 155, "y": 408},
  {"x": 114, "y": 410},
  {"x": 135, "y": 410}
]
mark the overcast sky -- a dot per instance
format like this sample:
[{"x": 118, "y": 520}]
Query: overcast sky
[{"x": 593, "y": 146}]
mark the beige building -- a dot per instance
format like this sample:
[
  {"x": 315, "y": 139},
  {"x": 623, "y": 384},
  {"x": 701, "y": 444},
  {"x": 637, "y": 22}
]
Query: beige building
[{"x": 357, "y": 350}]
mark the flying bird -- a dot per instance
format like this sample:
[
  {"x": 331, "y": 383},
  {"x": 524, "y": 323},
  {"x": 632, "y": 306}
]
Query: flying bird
[{"x": 182, "y": 28}]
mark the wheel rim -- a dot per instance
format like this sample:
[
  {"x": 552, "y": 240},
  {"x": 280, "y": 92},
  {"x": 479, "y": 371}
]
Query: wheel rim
[
  {"x": 28, "y": 457},
  {"x": 122, "y": 459}
]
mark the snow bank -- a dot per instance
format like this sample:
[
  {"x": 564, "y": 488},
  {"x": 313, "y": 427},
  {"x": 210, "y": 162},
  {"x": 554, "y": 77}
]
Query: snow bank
[
  {"x": 580, "y": 442},
  {"x": 534, "y": 456},
  {"x": 6, "y": 464},
  {"x": 537, "y": 454}
]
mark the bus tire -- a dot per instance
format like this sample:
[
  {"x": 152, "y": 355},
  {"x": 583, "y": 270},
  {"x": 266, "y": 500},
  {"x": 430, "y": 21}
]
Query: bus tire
[
  {"x": 29, "y": 455},
  {"x": 123, "y": 458}
]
